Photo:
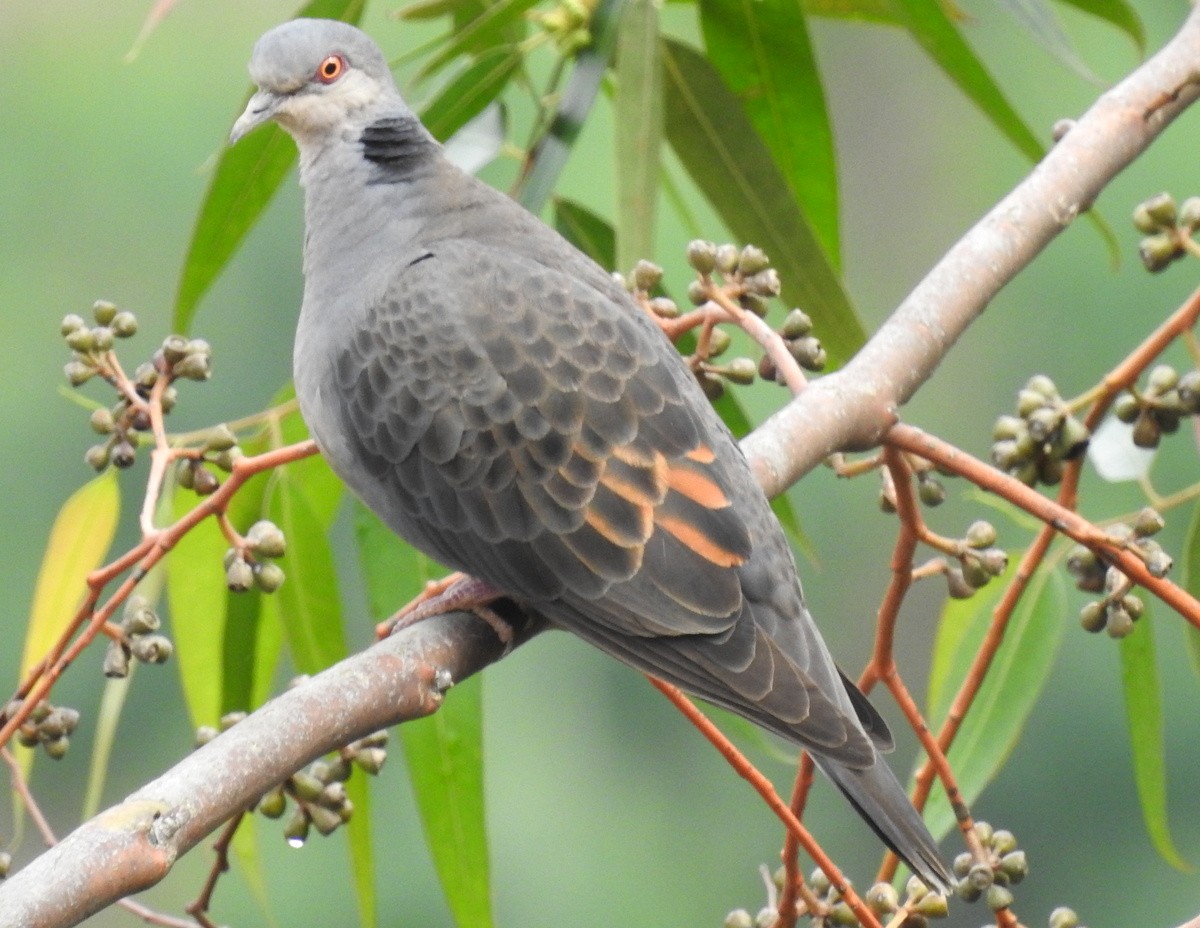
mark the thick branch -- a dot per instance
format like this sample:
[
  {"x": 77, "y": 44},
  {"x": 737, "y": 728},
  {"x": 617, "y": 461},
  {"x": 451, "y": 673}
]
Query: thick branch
[
  {"x": 854, "y": 407},
  {"x": 133, "y": 845}
]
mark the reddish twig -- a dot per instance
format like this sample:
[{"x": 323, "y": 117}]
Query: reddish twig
[
  {"x": 203, "y": 903},
  {"x": 766, "y": 790}
]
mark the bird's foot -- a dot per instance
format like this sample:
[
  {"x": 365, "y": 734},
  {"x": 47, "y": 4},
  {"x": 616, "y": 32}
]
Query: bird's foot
[{"x": 457, "y": 592}]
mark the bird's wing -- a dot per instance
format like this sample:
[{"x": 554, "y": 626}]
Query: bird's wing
[
  {"x": 532, "y": 429},
  {"x": 534, "y": 434}
]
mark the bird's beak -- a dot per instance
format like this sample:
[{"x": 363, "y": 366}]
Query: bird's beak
[{"x": 262, "y": 107}]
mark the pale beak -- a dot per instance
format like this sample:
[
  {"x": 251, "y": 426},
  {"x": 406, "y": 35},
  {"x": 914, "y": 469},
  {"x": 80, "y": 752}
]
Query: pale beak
[{"x": 260, "y": 109}]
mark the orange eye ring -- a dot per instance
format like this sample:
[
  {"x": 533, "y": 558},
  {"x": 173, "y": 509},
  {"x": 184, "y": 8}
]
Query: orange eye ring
[{"x": 329, "y": 70}]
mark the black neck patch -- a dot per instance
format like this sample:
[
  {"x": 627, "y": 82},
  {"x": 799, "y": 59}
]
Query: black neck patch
[{"x": 398, "y": 144}]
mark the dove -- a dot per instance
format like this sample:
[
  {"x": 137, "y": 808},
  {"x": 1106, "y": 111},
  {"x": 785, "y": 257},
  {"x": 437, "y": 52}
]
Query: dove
[{"x": 503, "y": 404}]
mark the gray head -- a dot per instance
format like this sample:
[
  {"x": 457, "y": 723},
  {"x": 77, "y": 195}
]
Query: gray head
[{"x": 316, "y": 76}]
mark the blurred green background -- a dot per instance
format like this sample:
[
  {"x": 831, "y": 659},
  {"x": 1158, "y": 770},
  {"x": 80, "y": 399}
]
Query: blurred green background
[{"x": 605, "y": 806}]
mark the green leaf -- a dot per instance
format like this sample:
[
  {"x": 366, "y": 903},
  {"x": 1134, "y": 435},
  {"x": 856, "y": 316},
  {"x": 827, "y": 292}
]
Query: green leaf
[
  {"x": 549, "y": 153},
  {"x": 490, "y": 27},
  {"x": 729, "y": 162},
  {"x": 82, "y": 532},
  {"x": 1019, "y": 672},
  {"x": 586, "y": 231},
  {"x": 470, "y": 92},
  {"x": 762, "y": 51},
  {"x": 1118, "y": 13},
  {"x": 1039, "y": 20},
  {"x": 444, "y": 752},
  {"x": 246, "y": 178},
  {"x": 638, "y": 113},
  {"x": 1191, "y": 583},
  {"x": 1143, "y": 709},
  {"x": 362, "y": 854},
  {"x": 308, "y": 600},
  {"x": 197, "y": 598}
]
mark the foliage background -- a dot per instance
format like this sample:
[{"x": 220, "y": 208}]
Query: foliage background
[{"x": 605, "y": 807}]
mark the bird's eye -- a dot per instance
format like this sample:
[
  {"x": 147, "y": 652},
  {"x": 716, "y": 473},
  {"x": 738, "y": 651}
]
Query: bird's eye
[{"x": 331, "y": 69}]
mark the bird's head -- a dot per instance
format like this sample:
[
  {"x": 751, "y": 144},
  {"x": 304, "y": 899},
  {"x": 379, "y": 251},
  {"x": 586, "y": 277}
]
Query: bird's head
[{"x": 314, "y": 76}]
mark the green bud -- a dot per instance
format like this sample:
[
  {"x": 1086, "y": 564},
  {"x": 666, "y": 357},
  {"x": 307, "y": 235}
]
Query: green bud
[
  {"x": 97, "y": 457},
  {"x": 226, "y": 459},
  {"x": 976, "y": 575},
  {"x": 718, "y": 342},
  {"x": 204, "y": 734},
  {"x": 104, "y": 312},
  {"x": 141, "y": 621},
  {"x": 152, "y": 649},
  {"x": 1146, "y": 430},
  {"x": 808, "y": 352},
  {"x": 56, "y": 748},
  {"x": 840, "y": 915},
  {"x": 1134, "y": 606},
  {"x": 1189, "y": 392},
  {"x": 1050, "y": 471},
  {"x": 984, "y": 832},
  {"x": 766, "y": 368},
  {"x": 967, "y": 891},
  {"x": 739, "y": 918},
  {"x": 174, "y": 348},
  {"x": 273, "y": 804},
  {"x": 697, "y": 293},
  {"x": 1143, "y": 221},
  {"x": 702, "y": 256},
  {"x": 192, "y": 367},
  {"x": 1120, "y": 622},
  {"x": 170, "y": 397},
  {"x": 102, "y": 338},
  {"x": 1072, "y": 439},
  {"x": 1015, "y": 866},
  {"x": 819, "y": 881},
  {"x": 102, "y": 421},
  {"x": 116, "y": 661},
  {"x": 796, "y": 325},
  {"x": 370, "y": 760},
  {"x": 981, "y": 534},
  {"x": 1093, "y": 617},
  {"x": 882, "y": 899},
  {"x": 1148, "y": 522},
  {"x": 994, "y": 560},
  {"x": 124, "y": 325},
  {"x": 1126, "y": 408},
  {"x": 296, "y": 830},
  {"x": 1029, "y": 402},
  {"x": 1042, "y": 423},
  {"x": 1158, "y": 251},
  {"x": 1161, "y": 209},
  {"x": 754, "y": 303},
  {"x": 1062, "y": 917},
  {"x": 741, "y": 371},
  {"x": 266, "y": 539},
  {"x": 998, "y": 898},
  {"x": 664, "y": 307},
  {"x": 1162, "y": 379},
  {"x": 957, "y": 585},
  {"x": 71, "y": 323},
  {"x": 1008, "y": 428},
  {"x": 933, "y": 906},
  {"x": 269, "y": 576},
  {"x": 124, "y": 454},
  {"x": 239, "y": 576},
  {"x": 931, "y": 491},
  {"x": 726, "y": 258},
  {"x": 306, "y": 786},
  {"x": 752, "y": 261},
  {"x": 764, "y": 283},
  {"x": 962, "y": 863},
  {"x": 646, "y": 276},
  {"x": 1042, "y": 384},
  {"x": 204, "y": 481},
  {"x": 81, "y": 340},
  {"x": 1189, "y": 213},
  {"x": 219, "y": 438},
  {"x": 229, "y": 719},
  {"x": 713, "y": 388}
]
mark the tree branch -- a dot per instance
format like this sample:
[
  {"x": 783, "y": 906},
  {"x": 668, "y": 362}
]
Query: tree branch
[{"x": 852, "y": 408}]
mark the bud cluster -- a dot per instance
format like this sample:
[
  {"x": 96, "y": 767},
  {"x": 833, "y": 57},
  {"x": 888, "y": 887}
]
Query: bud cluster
[
  {"x": 92, "y": 355},
  {"x": 48, "y": 725},
  {"x": 979, "y": 560},
  {"x": 319, "y": 791},
  {"x": 1158, "y": 407},
  {"x": 991, "y": 880},
  {"x": 802, "y": 345},
  {"x": 1118, "y": 609},
  {"x": 1168, "y": 229},
  {"x": 140, "y": 639},
  {"x": 220, "y": 450},
  {"x": 1035, "y": 444},
  {"x": 252, "y": 564}
]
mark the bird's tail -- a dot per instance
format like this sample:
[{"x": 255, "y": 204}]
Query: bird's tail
[{"x": 884, "y": 805}]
